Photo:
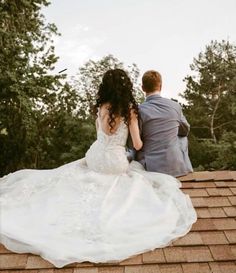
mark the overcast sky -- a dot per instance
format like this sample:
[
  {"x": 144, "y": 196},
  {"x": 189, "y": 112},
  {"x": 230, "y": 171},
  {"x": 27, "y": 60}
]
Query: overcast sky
[{"x": 164, "y": 35}]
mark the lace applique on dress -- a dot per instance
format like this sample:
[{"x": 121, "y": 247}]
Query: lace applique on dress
[{"x": 107, "y": 154}]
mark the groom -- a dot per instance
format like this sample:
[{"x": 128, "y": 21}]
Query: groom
[{"x": 164, "y": 131}]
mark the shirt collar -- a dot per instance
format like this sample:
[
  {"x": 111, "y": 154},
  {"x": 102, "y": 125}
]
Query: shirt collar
[{"x": 150, "y": 97}]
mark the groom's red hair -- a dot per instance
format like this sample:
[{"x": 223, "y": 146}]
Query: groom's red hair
[{"x": 151, "y": 81}]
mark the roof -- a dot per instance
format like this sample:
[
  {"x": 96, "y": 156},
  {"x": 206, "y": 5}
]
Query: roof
[{"x": 210, "y": 246}]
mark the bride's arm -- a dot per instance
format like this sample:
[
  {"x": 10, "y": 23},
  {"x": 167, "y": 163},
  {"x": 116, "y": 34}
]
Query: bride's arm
[{"x": 134, "y": 131}]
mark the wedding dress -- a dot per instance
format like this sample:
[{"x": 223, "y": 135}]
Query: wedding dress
[{"x": 97, "y": 209}]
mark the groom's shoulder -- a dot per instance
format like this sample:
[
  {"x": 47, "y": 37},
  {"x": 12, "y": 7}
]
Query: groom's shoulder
[
  {"x": 144, "y": 105},
  {"x": 172, "y": 102},
  {"x": 161, "y": 101}
]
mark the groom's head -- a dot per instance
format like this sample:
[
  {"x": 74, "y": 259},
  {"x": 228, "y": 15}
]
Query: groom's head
[{"x": 151, "y": 81}]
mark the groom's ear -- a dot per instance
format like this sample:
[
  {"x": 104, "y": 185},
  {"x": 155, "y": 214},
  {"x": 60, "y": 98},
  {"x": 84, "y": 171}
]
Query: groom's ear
[{"x": 143, "y": 89}]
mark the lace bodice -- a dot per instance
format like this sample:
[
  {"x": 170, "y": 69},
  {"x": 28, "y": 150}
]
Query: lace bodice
[
  {"x": 107, "y": 153},
  {"x": 117, "y": 138}
]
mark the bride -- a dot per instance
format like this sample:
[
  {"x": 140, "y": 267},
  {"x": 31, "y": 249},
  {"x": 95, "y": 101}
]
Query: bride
[{"x": 99, "y": 208}]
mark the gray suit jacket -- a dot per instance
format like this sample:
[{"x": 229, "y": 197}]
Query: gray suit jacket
[{"x": 164, "y": 131}]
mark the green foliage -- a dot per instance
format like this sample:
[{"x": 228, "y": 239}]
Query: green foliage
[
  {"x": 33, "y": 100},
  {"x": 213, "y": 156},
  {"x": 210, "y": 108},
  {"x": 226, "y": 149},
  {"x": 202, "y": 153},
  {"x": 68, "y": 141},
  {"x": 26, "y": 56}
]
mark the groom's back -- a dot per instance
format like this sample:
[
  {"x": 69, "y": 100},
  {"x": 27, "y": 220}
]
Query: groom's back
[{"x": 160, "y": 120}]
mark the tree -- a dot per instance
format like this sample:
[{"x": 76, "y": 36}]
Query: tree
[
  {"x": 226, "y": 152},
  {"x": 28, "y": 88},
  {"x": 64, "y": 135},
  {"x": 211, "y": 103},
  {"x": 211, "y": 91},
  {"x": 89, "y": 77}
]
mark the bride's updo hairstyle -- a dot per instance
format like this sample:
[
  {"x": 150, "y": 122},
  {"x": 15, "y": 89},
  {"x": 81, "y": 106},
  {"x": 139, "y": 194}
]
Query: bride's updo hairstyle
[{"x": 116, "y": 89}]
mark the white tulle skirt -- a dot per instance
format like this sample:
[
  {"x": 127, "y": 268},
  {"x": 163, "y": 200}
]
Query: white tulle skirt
[{"x": 72, "y": 214}]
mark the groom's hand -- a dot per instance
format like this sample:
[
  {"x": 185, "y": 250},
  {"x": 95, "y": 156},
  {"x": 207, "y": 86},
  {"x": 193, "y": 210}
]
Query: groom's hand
[{"x": 130, "y": 153}]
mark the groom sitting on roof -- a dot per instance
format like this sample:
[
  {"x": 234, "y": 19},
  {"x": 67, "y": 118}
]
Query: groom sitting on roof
[{"x": 164, "y": 131}]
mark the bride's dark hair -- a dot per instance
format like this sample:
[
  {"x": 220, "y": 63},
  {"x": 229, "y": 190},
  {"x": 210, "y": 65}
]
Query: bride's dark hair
[{"x": 117, "y": 90}]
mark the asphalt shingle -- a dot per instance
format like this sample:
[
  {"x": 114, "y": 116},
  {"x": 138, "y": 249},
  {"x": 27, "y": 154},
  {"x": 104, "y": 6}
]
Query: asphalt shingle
[{"x": 210, "y": 246}]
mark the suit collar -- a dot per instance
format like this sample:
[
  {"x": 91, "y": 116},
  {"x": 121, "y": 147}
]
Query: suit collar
[{"x": 152, "y": 97}]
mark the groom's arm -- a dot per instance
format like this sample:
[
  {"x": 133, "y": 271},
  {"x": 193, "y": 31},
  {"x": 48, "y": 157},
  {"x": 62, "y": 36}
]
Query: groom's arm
[{"x": 184, "y": 126}]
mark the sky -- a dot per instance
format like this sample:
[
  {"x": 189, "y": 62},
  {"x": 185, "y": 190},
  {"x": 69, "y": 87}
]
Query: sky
[{"x": 164, "y": 35}]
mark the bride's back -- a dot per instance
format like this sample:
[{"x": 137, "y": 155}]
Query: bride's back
[
  {"x": 107, "y": 154},
  {"x": 103, "y": 120}
]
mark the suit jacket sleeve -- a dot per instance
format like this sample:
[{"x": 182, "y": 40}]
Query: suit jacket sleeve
[{"x": 184, "y": 126}]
